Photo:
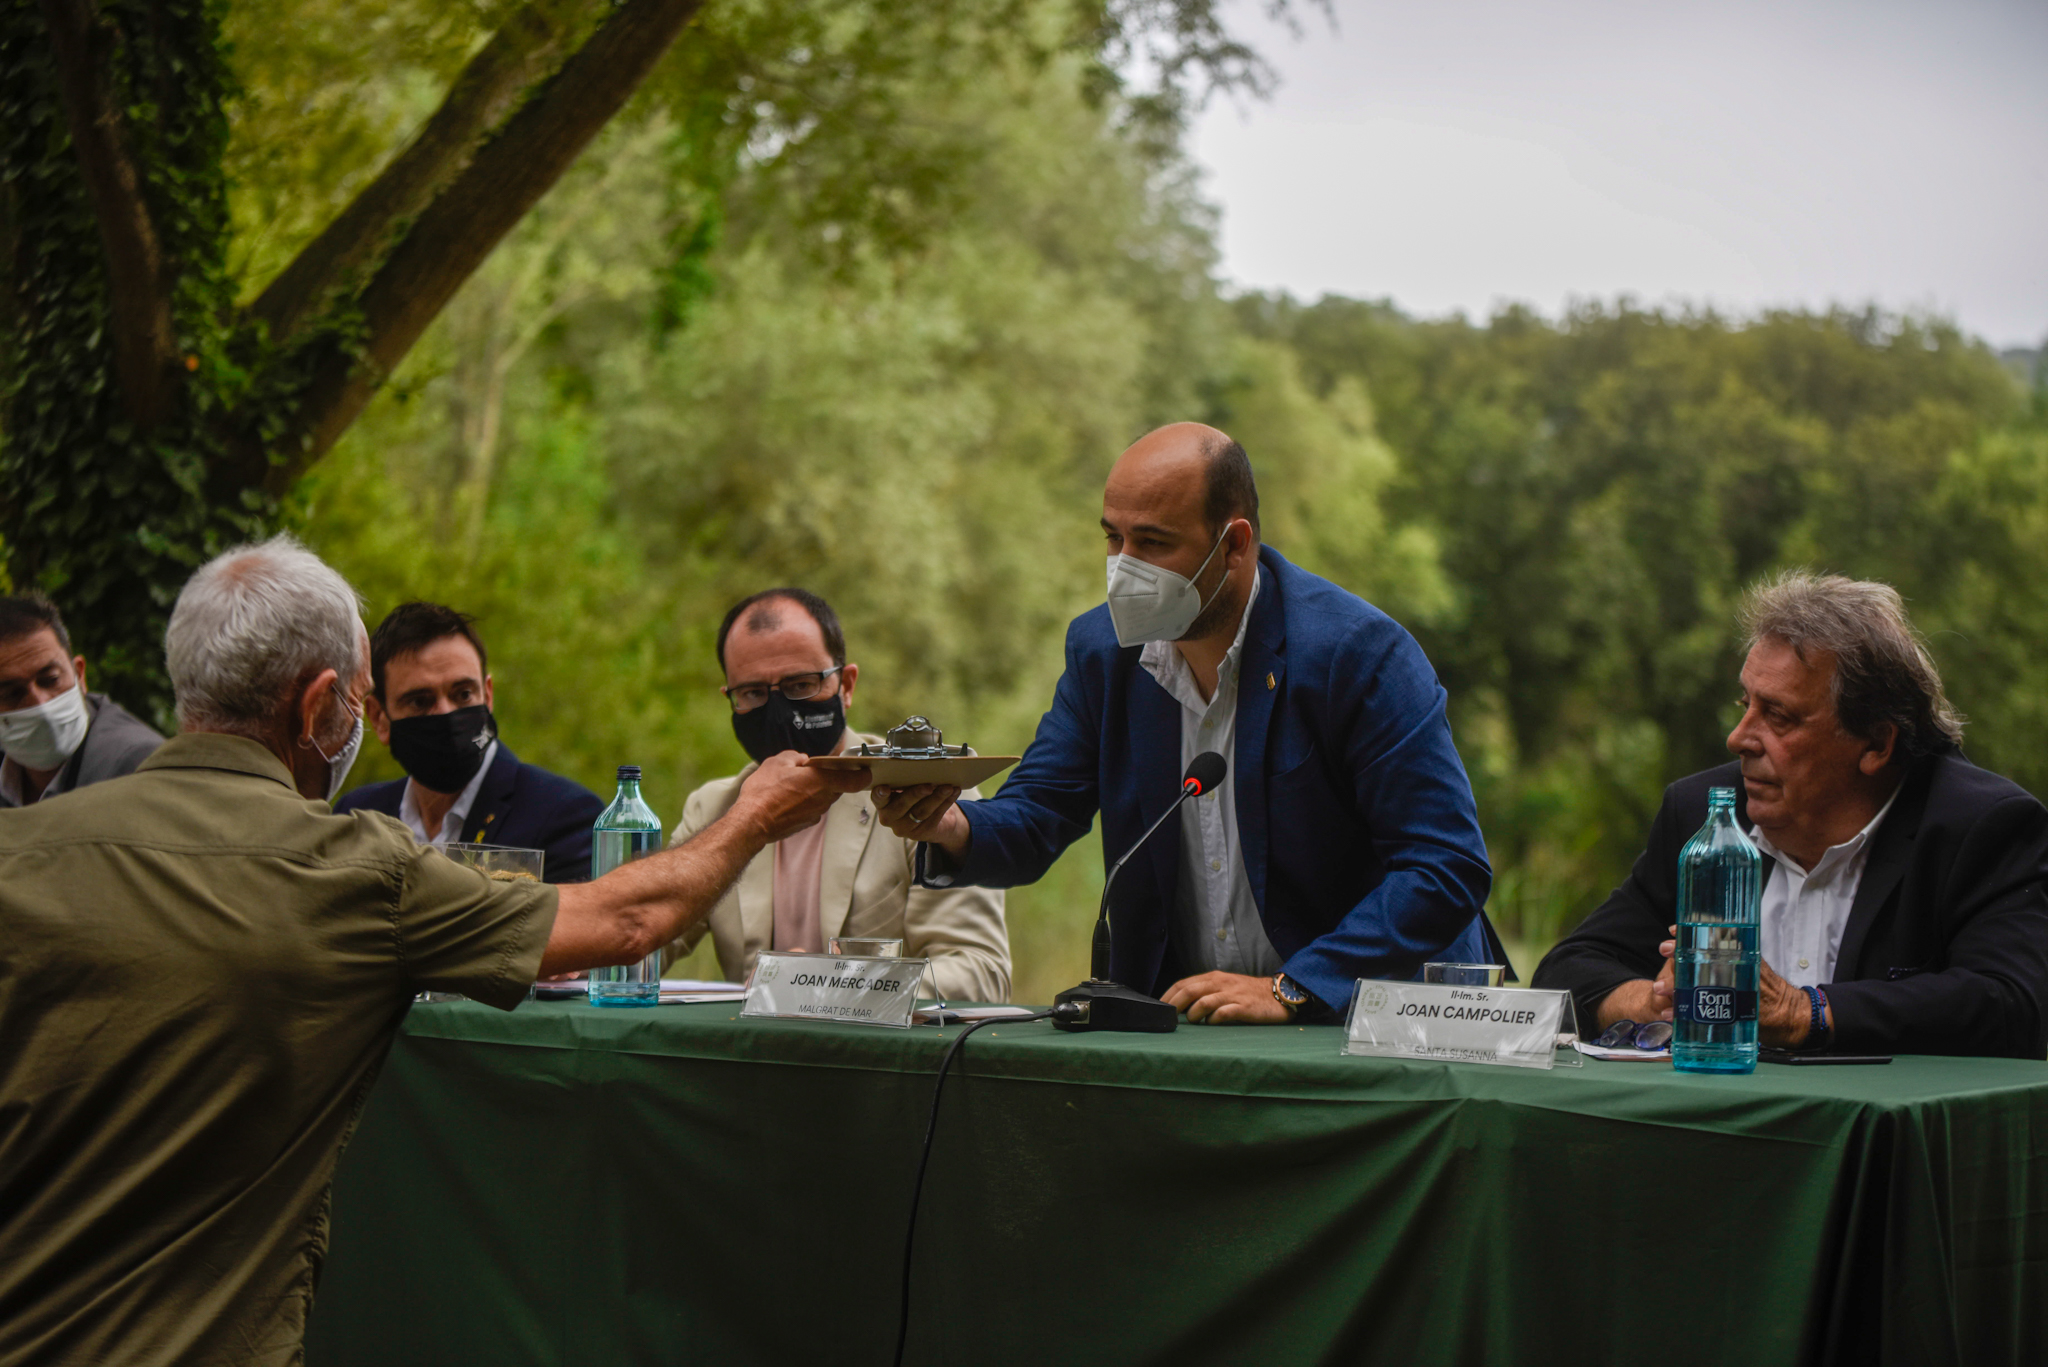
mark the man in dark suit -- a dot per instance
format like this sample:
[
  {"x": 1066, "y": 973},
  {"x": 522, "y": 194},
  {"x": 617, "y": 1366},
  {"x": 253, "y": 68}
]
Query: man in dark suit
[
  {"x": 1903, "y": 906},
  {"x": 1343, "y": 843},
  {"x": 430, "y": 702},
  {"x": 54, "y": 736}
]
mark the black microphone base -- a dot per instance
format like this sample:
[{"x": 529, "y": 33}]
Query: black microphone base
[{"x": 1112, "y": 1006}]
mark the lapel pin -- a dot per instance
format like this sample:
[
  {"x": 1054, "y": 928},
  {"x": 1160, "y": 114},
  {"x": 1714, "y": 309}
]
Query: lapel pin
[{"x": 1269, "y": 683}]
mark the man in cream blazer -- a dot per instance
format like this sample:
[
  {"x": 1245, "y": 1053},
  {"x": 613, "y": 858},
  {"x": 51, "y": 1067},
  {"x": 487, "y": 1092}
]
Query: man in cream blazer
[
  {"x": 788, "y": 681},
  {"x": 864, "y": 889}
]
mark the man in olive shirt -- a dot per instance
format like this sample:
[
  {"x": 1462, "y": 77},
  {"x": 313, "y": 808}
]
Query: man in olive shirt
[{"x": 202, "y": 968}]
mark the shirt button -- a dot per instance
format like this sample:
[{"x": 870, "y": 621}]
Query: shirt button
[
  {"x": 1216, "y": 866},
  {"x": 1802, "y": 963},
  {"x": 1222, "y": 934}
]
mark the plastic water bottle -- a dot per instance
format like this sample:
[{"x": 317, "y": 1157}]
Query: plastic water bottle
[
  {"x": 627, "y": 830},
  {"x": 1720, "y": 905}
]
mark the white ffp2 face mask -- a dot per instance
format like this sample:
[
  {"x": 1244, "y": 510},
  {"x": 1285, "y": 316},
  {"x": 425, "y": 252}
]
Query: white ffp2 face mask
[
  {"x": 344, "y": 759},
  {"x": 45, "y": 736},
  {"x": 1147, "y": 603}
]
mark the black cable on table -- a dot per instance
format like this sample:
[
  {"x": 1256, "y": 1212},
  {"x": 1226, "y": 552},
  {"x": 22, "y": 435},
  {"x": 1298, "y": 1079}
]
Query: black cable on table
[{"x": 924, "y": 1160}]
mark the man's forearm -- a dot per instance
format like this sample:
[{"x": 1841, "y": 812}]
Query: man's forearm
[
  {"x": 1631, "y": 1001},
  {"x": 954, "y": 835},
  {"x": 636, "y": 909},
  {"x": 677, "y": 888}
]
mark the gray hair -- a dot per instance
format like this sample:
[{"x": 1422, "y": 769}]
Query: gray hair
[
  {"x": 250, "y": 626},
  {"x": 1883, "y": 673}
]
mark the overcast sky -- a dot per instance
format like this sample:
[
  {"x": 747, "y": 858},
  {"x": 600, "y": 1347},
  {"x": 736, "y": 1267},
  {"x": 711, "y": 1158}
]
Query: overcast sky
[{"x": 1453, "y": 154}]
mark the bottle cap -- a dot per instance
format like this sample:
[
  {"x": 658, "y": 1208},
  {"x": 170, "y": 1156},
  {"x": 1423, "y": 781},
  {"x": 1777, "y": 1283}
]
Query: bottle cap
[{"x": 629, "y": 773}]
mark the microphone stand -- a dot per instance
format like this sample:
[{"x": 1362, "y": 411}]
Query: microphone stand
[{"x": 1107, "y": 1005}]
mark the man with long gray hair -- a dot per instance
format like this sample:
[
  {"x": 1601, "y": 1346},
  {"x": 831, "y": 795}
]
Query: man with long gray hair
[
  {"x": 202, "y": 968},
  {"x": 1903, "y": 902}
]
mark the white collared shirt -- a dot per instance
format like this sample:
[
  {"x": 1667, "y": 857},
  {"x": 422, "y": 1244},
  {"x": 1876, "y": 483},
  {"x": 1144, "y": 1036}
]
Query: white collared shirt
[
  {"x": 458, "y": 812},
  {"x": 1217, "y": 924},
  {"x": 1804, "y": 911}
]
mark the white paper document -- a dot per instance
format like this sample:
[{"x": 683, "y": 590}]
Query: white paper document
[
  {"x": 926, "y": 1014},
  {"x": 1623, "y": 1055},
  {"x": 691, "y": 991}
]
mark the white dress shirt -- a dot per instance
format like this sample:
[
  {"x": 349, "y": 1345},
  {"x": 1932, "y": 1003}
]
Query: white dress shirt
[
  {"x": 451, "y": 822},
  {"x": 1216, "y": 921},
  {"x": 1804, "y": 911}
]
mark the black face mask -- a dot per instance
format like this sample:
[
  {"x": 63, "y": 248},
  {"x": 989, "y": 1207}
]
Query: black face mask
[
  {"x": 810, "y": 727},
  {"x": 443, "y": 750}
]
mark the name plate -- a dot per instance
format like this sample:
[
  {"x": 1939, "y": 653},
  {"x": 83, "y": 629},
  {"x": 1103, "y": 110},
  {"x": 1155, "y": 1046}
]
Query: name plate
[
  {"x": 1510, "y": 1025},
  {"x": 832, "y": 987}
]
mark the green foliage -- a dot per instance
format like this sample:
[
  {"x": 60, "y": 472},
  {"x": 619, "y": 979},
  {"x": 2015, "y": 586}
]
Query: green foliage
[
  {"x": 326, "y": 90},
  {"x": 1605, "y": 487},
  {"x": 109, "y": 520},
  {"x": 916, "y": 426},
  {"x": 866, "y": 296},
  {"x": 780, "y": 117},
  {"x": 911, "y": 412}
]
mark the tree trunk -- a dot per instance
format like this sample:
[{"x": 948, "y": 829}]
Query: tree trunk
[
  {"x": 454, "y": 235},
  {"x": 520, "y": 54},
  {"x": 144, "y": 341}
]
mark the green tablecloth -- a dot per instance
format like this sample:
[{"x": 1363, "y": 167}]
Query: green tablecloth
[{"x": 569, "y": 1185}]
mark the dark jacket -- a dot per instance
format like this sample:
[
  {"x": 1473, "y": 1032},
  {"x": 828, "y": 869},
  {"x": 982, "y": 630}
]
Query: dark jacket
[
  {"x": 518, "y": 805},
  {"x": 1361, "y": 842},
  {"x": 1946, "y": 949},
  {"x": 115, "y": 743}
]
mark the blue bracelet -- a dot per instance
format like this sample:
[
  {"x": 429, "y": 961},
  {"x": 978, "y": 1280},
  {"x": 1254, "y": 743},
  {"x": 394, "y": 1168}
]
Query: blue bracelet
[{"x": 1817, "y": 1027}]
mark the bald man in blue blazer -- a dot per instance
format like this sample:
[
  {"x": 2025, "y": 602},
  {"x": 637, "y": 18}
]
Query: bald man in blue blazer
[{"x": 1342, "y": 844}]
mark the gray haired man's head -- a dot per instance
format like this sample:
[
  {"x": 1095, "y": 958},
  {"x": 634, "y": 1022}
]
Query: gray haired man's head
[
  {"x": 252, "y": 627},
  {"x": 1883, "y": 673}
]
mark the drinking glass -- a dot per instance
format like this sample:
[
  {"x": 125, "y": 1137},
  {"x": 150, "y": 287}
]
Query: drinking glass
[
  {"x": 500, "y": 864},
  {"x": 866, "y": 947},
  {"x": 1465, "y": 975}
]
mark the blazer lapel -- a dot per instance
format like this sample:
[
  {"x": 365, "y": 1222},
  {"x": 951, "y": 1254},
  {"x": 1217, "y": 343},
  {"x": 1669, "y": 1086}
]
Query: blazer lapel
[
  {"x": 1891, "y": 850},
  {"x": 493, "y": 799},
  {"x": 849, "y": 824},
  {"x": 1262, "y": 671}
]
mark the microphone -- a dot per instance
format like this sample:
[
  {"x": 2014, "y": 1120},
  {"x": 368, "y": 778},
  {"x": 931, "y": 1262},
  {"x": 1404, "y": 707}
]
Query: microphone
[{"x": 1107, "y": 1005}]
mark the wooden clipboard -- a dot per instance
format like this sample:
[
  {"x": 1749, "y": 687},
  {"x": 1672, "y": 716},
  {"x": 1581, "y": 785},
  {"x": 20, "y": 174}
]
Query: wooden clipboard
[{"x": 959, "y": 771}]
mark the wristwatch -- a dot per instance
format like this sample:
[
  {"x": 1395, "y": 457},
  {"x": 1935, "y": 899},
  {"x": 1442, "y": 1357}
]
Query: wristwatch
[{"x": 1289, "y": 994}]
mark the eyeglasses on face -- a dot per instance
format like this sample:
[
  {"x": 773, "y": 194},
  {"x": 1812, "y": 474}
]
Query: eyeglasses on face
[
  {"x": 1629, "y": 1035},
  {"x": 795, "y": 687}
]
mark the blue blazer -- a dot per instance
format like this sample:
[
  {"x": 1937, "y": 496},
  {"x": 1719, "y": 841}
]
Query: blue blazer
[
  {"x": 519, "y": 805},
  {"x": 1360, "y": 838}
]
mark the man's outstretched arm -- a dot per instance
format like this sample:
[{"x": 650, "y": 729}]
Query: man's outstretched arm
[{"x": 634, "y": 910}]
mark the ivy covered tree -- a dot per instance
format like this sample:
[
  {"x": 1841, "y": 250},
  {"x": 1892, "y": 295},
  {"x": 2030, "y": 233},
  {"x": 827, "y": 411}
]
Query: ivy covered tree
[{"x": 154, "y": 407}]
